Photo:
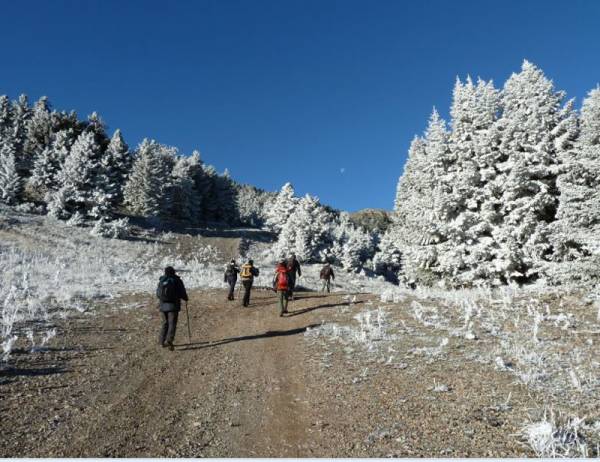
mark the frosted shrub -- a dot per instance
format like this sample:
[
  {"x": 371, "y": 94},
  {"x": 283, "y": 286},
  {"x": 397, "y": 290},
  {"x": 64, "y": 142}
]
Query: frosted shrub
[{"x": 556, "y": 435}]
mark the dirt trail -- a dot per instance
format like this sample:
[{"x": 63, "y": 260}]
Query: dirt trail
[{"x": 247, "y": 385}]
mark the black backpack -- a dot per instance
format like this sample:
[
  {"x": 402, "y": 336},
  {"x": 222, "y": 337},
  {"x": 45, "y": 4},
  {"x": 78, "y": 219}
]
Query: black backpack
[{"x": 167, "y": 290}]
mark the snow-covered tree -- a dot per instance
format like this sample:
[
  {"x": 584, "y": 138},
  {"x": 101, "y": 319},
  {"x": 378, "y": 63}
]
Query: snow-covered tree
[
  {"x": 281, "y": 208},
  {"x": 181, "y": 197},
  {"x": 578, "y": 217},
  {"x": 80, "y": 180},
  {"x": 306, "y": 231},
  {"x": 20, "y": 115},
  {"x": 116, "y": 165},
  {"x": 38, "y": 132},
  {"x": 10, "y": 181},
  {"x": 148, "y": 185},
  {"x": 251, "y": 204},
  {"x": 47, "y": 166},
  {"x": 6, "y": 126}
]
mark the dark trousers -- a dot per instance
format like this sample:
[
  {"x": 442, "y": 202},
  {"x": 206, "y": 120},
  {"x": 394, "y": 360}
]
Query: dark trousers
[
  {"x": 231, "y": 289},
  {"x": 283, "y": 301},
  {"x": 247, "y": 288},
  {"x": 292, "y": 277},
  {"x": 167, "y": 332}
]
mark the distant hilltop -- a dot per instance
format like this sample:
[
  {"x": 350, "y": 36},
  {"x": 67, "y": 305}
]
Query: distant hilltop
[{"x": 372, "y": 219}]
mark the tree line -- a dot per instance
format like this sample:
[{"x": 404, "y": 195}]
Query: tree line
[{"x": 54, "y": 163}]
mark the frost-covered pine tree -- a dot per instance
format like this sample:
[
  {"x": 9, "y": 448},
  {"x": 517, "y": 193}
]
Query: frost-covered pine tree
[
  {"x": 181, "y": 203},
  {"x": 578, "y": 217},
  {"x": 460, "y": 184},
  {"x": 526, "y": 194},
  {"x": 281, "y": 208},
  {"x": 20, "y": 115},
  {"x": 147, "y": 187},
  {"x": 225, "y": 199},
  {"x": 6, "y": 126},
  {"x": 306, "y": 231},
  {"x": 416, "y": 226},
  {"x": 47, "y": 166},
  {"x": 251, "y": 204},
  {"x": 10, "y": 181},
  {"x": 116, "y": 164},
  {"x": 81, "y": 188},
  {"x": 38, "y": 132}
]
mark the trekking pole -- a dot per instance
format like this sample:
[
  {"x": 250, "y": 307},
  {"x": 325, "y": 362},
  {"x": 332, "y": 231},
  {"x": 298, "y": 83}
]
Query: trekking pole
[{"x": 187, "y": 311}]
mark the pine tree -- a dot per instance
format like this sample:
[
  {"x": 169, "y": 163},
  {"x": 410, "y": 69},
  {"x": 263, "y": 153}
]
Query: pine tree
[
  {"x": 146, "y": 189},
  {"x": 578, "y": 217},
  {"x": 10, "y": 181},
  {"x": 527, "y": 194},
  {"x": 38, "y": 132},
  {"x": 20, "y": 115},
  {"x": 306, "y": 231},
  {"x": 180, "y": 198},
  {"x": 80, "y": 181},
  {"x": 45, "y": 175},
  {"x": 6, "y": 125},
  {"x": 116, "y": 164},
  {"x": 282, "y": 207}
]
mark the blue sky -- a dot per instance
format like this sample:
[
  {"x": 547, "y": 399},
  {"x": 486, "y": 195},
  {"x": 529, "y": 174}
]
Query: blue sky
[{"x": 326, "y": 94}]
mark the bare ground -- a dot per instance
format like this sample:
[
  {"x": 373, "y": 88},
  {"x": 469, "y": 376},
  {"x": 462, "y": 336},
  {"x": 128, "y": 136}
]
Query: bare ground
[{"x": 248, "y": 384}]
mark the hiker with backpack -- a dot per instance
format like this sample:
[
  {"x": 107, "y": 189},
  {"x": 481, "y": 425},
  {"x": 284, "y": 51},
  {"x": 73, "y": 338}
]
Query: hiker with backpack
[
  {"x": 231, "y": 273},
  {"x": 282, "y": 284},
  {"x": 170, "y": 292},
  {"x": 326, "y": 275},
  {"x": 293, "y": 267},
  {"x": 247, "y": 274}
]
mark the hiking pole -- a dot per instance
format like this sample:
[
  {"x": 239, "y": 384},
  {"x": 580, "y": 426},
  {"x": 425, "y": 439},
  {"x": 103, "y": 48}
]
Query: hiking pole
[{"x": 187, "y": 311}]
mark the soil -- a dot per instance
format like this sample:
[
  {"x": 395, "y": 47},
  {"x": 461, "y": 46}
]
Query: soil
[{"x": 249, "y": 384}]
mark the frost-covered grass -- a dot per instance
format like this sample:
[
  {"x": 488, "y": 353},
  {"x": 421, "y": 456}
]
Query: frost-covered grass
[{"x": 51, "y": 269}]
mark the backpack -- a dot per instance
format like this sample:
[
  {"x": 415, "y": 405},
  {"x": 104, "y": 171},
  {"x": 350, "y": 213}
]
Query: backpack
[
  {"x": 167, "y": 290},
  {"x": 283, "y": 281},
  {"x": 246, "y": 272}
]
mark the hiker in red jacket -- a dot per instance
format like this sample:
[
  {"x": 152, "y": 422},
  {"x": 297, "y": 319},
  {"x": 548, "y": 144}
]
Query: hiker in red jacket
[{"x": 281, "y": 284}]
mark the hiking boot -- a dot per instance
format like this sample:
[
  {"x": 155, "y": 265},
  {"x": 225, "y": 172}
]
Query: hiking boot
[{"x": 170, "y": 345}]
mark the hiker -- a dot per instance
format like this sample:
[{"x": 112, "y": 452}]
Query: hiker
[
  {"x": 231, "y": 273},
  {"x": 170, "y": 292},
  {"x": 293, "y": 266},
  {"x": 282, "y": 284},
  {"x": 247, "y": 274},
  {"x": 326, "y": 275}
]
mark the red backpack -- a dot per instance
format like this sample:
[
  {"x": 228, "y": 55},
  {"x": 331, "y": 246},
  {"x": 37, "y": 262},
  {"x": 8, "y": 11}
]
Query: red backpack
[{"x": 283, "y": 282}]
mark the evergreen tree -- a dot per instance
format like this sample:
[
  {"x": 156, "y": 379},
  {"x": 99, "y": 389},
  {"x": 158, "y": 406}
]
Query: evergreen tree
[
  {"x": 81, "y": 182},
  {"x": 306, "y": 231},
  {"x": 20, "y": 115},
  {"x": 38, "y": 132},
  {"x": 10, "y": 181},
  {"x": 47, "y": 166},
  {"x": 281, "y": 208},
  {"x": 578, "y": 217},
  {"x": 116, "y": 164},
  {"x": 181, "y": 197},
  {"x": 6, "y": 124},
  {"x": 147, "y": 188}
]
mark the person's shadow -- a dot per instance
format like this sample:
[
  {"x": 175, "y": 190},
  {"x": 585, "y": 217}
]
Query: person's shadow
[
  {"x": 318, "y": 307},
  {"x": 268, "y": 334}
]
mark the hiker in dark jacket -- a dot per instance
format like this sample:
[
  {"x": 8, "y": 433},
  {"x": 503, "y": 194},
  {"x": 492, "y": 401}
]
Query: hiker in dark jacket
[
  {"x": 281, "y": 284},
  {"x": 170, "y": 292},
  {"x": 293, "y": 266},
  {"x": 326, "y": 275},
  {"x": 247, "y": 274},
  {"x": 231, "y": 273}
]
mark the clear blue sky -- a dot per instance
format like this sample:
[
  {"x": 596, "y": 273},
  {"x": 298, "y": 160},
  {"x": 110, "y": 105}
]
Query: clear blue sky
[{"x": 288, "y": 90}]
